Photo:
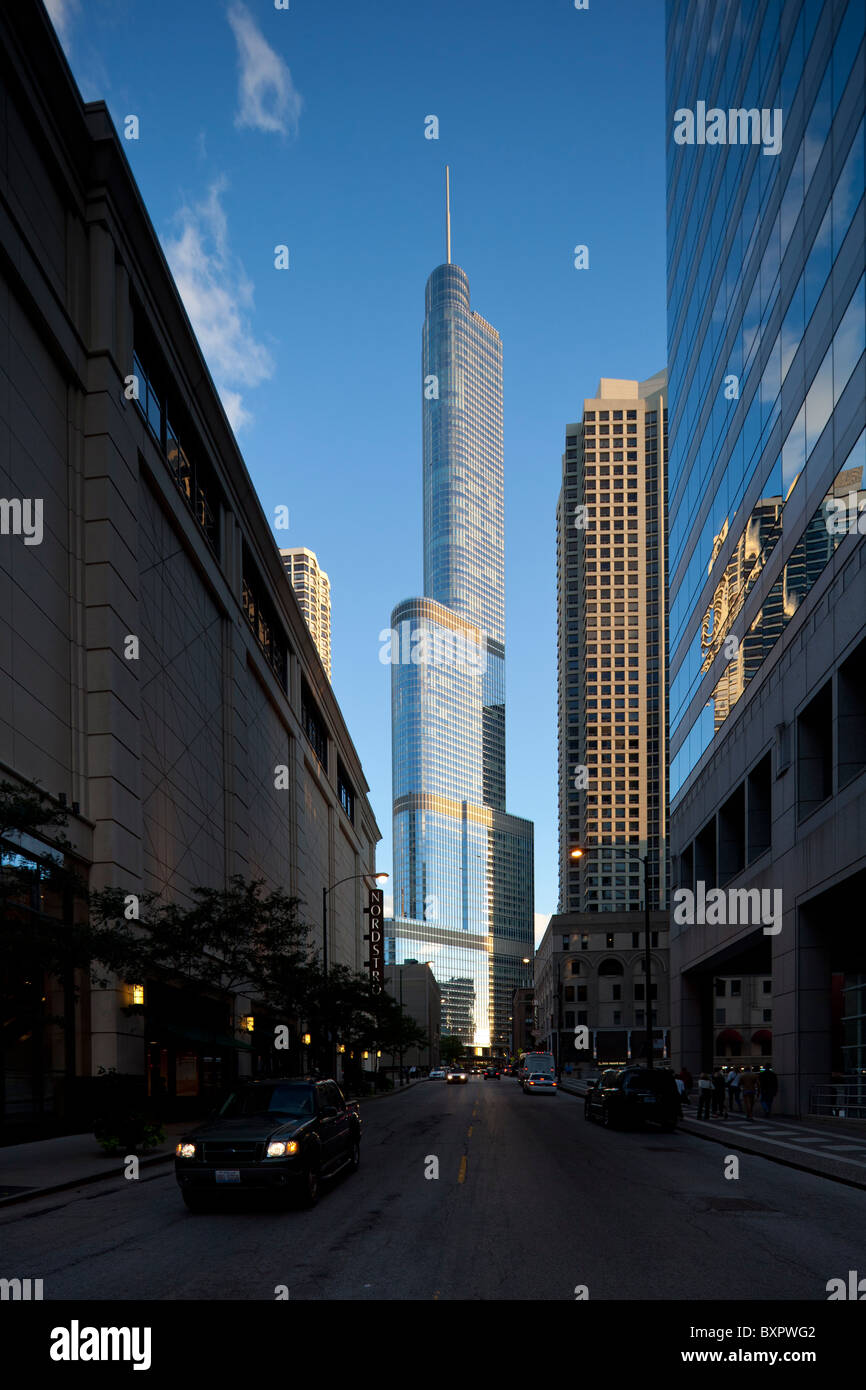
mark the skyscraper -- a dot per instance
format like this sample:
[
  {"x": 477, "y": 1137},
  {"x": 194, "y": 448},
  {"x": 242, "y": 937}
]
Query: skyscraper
[
  {"x": 612, "y": 679},
  {"x": 611, "y": 575},
  {"x": 463, "y": 867},
  {"x": 766, "y": 310},
  {"x": 313, "y": 591}
]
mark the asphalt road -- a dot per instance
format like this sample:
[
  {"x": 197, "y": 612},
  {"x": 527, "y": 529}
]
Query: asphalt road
[{"x": 531, "y": 1201}]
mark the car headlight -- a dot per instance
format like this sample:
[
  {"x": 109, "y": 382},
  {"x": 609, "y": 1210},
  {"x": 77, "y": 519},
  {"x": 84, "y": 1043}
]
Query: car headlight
[
  {"x": 278, "y": 1148},
  {"x": 184, "y": 1150}
]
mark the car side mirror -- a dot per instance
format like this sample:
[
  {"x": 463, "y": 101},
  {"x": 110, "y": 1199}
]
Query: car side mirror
[
  {"x": 591, "y": 1085},
  {"x": 328, "y": 1112}
]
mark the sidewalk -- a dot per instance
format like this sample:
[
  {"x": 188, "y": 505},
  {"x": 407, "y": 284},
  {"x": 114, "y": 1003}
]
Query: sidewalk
[
  {"x": 44, "y": 1166},
  {"x": 51, "y": 1165},
  {"x": 829, "y": 1148}
]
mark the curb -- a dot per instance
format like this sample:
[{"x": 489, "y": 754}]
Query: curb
[
  {"x": 735, "y": 1143},
  {"x": 36, "y": 1192}
]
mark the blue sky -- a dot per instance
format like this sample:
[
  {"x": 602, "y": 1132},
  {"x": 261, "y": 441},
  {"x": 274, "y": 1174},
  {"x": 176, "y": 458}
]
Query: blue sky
[{"x": 305, "y": 127}]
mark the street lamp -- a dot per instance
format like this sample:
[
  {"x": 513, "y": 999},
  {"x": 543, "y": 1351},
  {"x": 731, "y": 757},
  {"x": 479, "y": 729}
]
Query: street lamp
[
  {"x": 378, "y": 878},
  {"x": 577, "y": 853}
]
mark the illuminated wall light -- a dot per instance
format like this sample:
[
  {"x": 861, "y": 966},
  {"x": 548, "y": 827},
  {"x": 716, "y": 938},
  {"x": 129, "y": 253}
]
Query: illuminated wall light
[
  {"x": 138, "y": 994},
  {"x": 247, "y": 1023},
  {"x": 306, "y": 1040}
]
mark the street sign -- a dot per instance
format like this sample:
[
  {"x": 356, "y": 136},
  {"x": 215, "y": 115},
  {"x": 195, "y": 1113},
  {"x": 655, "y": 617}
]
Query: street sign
[{"x": 377, "y": 953}]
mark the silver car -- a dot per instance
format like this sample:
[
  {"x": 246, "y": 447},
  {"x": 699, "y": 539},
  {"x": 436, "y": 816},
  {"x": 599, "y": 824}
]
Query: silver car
[{"x": 537, "y": 1082}]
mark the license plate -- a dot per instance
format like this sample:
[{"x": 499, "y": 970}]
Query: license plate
[
  {"x": 228, "y": 1175},
  {"x": 648, "y": 1100}
]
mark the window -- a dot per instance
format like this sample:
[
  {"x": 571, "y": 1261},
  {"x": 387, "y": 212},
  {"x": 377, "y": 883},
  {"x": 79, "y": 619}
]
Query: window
[
  {"x": 195, "y": 479},
  {"x": 721, "y": 988},
  {"x": 767, "y": 986},
  {"x": 736, "y": 988},
  {"x": 569, "y": 994},
  {"x": 263, "y": 621},
  {"x": 720, "y": 1015},
  {"x": 314, "y": 725},
  {"x": 345, "y": 791}
]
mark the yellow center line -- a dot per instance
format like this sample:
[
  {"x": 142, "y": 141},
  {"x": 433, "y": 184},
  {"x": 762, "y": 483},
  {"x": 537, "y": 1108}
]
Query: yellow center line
[
  {"x": 461, "y": 1176},
  {"x": 469, "y": 1132}
]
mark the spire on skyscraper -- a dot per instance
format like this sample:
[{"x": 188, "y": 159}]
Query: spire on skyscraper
[{"x": 447, "y": 214}]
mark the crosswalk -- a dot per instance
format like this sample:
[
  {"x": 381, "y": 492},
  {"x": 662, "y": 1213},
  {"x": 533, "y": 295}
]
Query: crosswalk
[{"x": 795, "y": 1136}]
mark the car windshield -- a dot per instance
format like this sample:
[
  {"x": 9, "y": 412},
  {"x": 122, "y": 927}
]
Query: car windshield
[{"x": 289, "y": 1102}]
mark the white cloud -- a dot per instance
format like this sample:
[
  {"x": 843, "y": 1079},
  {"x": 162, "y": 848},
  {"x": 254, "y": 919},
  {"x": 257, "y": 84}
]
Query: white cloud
[
  {"x": 61, "y": 13},
  {"x": 266, "y": 92},
  {"x": 218, "y": 296}
]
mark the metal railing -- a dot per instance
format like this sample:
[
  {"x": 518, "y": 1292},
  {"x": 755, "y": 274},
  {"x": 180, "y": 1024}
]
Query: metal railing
[{"x": 846, "y": 1100}]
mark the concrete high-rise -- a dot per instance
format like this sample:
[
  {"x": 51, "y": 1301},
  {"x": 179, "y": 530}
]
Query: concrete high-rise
[
  {"x": 612, "y": 693},
  {"x": 313, "y": 591},
  {"x": 463, "y": 867},
  {"x": 612, "y": 678},
  {"x": 766, "y": 309}
]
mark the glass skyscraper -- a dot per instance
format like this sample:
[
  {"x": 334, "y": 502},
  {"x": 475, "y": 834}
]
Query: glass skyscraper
[
  {"x": 463, "y": 867},
  {"x": 765, "y": 322},
  {"x": 767, "y": 407}
]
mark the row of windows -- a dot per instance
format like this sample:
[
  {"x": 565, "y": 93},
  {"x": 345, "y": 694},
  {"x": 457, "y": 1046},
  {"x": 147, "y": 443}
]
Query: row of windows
[{"x": 193, "y": 476}]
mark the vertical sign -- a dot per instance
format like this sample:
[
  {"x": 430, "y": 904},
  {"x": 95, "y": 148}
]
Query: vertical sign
[{"x": 377, "y": 954}]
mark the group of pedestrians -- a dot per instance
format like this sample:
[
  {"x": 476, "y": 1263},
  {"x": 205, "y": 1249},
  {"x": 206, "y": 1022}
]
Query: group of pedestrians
[{"x": 723, "y": 1092}]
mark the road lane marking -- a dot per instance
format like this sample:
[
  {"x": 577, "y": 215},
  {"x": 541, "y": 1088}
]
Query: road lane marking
[
  {"x": 461, "y": 1176},
  {"x": 469, "y": 1132}
]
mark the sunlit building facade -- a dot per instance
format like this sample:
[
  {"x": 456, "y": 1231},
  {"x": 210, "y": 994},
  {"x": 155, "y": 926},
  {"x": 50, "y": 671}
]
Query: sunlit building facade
[
  {"x": 312, "y": 589},
  {"x": 766, "y": 313},
  {"x": 463, "y": 867}
]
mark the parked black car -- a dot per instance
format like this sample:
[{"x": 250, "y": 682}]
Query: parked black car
[
  {"x": 281, "y": 1134},
  {"x": 631, "y": 1096}
]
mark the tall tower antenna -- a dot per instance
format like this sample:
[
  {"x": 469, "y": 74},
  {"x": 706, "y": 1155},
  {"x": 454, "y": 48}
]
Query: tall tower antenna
[{"x": 448, "y": 213}]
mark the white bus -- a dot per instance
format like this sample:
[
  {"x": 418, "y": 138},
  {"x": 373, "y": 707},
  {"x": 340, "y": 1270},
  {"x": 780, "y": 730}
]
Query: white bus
[{"x": 536, "y": 1063}]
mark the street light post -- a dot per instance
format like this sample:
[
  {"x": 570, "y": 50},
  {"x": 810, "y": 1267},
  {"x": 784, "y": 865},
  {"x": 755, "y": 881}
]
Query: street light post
[{"x": 331, "y": 1052}]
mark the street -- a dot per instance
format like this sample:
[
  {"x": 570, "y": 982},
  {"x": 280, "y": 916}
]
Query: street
[{"x": 544, "y": 1202}]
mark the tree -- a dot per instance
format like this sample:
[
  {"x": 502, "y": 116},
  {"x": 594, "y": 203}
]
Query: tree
[
  {"x": 451, "y": 1049},
  {"x": 236, "y": 940}
]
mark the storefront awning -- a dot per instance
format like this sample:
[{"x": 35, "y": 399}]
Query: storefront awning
[
  {"x": 762, "y": 1035},
  {"x": 730, "y": 1035}
]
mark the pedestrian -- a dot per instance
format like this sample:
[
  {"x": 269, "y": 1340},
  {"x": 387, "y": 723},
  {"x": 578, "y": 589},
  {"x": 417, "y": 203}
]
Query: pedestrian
[
  {"x": 769, "y": 1083},
  {"x": 732, "y": 1081},
  {"x": 719, "y": 1093},
  {"x": 705, "y": 1095},
  {"x": 688, "y": 1079},
  {"x": 750, "y": 1088},
  {"x": 681, "y": 1094}
]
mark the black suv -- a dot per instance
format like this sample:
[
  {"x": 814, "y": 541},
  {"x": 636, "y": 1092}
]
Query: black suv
[
  {"x": 632, "y": 1096},
  {"x": 281, "y": 1135}
]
